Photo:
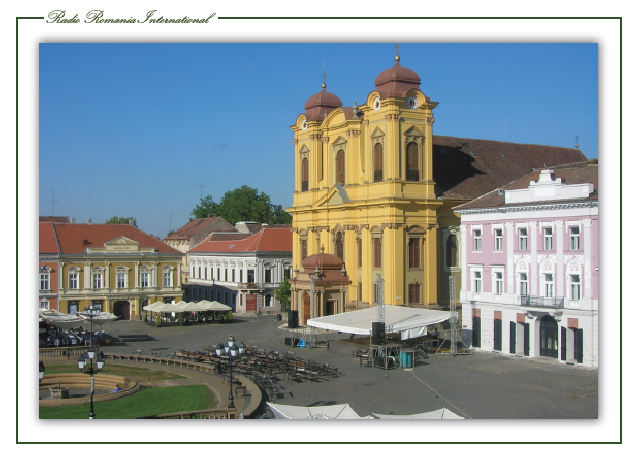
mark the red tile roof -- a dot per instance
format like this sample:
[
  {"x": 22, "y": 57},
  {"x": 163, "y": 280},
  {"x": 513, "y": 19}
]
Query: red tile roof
[
  {"x": 461, "y": 175},
  {"x": 58, "y": 219},
  {"x": 267, "y": 240},
  {"x": 575, "y": 173},
  {"x": 193, "y": 227},
  {"x": 47, "y": 238},
  {"x": 75, "y": 238}
]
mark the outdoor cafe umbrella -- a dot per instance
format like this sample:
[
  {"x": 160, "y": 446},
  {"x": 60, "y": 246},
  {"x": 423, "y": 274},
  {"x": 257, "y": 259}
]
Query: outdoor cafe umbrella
[
  {"x": 101, "y": 318},
  {"x": 212, "y": 306},
  {"x": 157, "y": 307},
  {"x": 65, "y": 321}
]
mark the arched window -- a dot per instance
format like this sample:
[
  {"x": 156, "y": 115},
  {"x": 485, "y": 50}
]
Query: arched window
[
  {"x": 339, "y": 246},
  {"x": 377, "y": 163},
  {"x": 340, "y": 167},
  {"x": 413, "y": 162},
  {"x": 452, "y": 251},
  {"x": 304, "y": 175}
]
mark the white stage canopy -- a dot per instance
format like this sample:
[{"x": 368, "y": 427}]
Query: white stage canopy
[
  {"x": 443, "y": 413},
  {"x": 336, "y": 411},
  {"x": 409, "y": 322}
]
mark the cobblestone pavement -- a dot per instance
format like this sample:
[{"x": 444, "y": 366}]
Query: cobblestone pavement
[{"x": 481, "y": 386}]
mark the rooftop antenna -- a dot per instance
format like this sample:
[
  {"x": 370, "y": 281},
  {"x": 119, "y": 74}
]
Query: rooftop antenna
[
  {"x": 53, "y": 200},
  {"x": 170, "y": 214},
  {"x": 505, "y": 128},
  {"x": 577, "y": 145},
  {"x": 200, "y": 185}
]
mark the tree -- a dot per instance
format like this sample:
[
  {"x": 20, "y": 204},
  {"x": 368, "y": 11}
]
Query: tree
[
  {"x": 283, "y": 294},
  {"x": 243, "y": 204},
  {"x": 121, "y": 220},
  {"x": 206, "y": 208}
]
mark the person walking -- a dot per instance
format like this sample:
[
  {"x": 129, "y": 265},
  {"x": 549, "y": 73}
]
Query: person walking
[{"x": 259, "y": 313}]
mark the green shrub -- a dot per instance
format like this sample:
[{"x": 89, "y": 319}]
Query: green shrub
[
  {"x": 158, "y": 321},
  {"x": 220, "y": 318},
  {"x": 181, "y": 319},
  {"x": 229, "y": 316}
]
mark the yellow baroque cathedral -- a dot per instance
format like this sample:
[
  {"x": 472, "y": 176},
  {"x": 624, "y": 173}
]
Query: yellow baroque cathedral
[
  {"x": 376, "y": 188},
  {"x": 365, "y": 190}
]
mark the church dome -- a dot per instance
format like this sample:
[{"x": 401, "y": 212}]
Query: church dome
[
  {"x": 323, "y": 261},
  {"x": 320, "y": 103},
  {"x": 396, "y": 81}
]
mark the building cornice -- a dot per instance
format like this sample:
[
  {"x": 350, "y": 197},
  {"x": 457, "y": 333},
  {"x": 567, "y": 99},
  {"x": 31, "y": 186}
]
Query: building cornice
[{"x": 521, "y": 208}]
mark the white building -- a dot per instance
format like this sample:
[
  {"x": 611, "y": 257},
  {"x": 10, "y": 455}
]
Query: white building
[
  {"x": 529, "y": 266},
  {"x": 243, "y": 274}
]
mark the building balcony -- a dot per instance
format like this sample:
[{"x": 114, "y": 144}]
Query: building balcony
[
  {"x": 250, "y": 286},
  {"x": 536, "y": 301}
]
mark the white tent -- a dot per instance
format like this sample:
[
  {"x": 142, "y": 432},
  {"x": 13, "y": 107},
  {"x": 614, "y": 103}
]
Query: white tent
[
  {"x": 156, "y": 307},
  {"x": 100, "y": 319},
  {"x": 212, "y": 306},
  {"x": 409, "y": 322},
  {"x": 337, "y": 411},
  {"x": 443, "y": 413},
  {"x": 65, "y": 321}
]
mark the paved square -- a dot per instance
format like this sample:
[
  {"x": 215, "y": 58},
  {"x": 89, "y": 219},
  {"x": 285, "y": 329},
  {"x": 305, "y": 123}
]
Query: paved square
[{"x": 481, "y": 386}]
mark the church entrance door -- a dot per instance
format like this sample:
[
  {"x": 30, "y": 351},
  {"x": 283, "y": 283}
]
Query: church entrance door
[
  {"x": 306, "y": 305},
  {"x": 331, "y": 308}
]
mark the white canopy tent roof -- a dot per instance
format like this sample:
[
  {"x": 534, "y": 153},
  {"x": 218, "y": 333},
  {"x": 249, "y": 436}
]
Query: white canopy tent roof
[
  {"x": 336, "y": 411},
  {"x": 65, "y": 321},
  {"x": 100, "y": 319},
  {"x": 409, "y": 322},
  {"x": 183, "y": 306},
  {"x": 443, "y": 413}
]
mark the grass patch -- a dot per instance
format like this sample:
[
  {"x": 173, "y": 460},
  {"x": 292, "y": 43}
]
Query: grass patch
[
  {"x": 148, "y": 402},
  {"x": 137, "y": 373}
]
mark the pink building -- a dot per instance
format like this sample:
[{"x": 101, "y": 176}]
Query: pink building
[{"x": 529, "y": 262}]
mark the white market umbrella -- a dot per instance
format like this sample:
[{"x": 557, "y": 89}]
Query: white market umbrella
[
  {"x": 443, "y": 413},
  {"x": 101, "y": 318},
  {"x": 65, "y": 321},
  {"x": 158, "y": 306},
  {"x": 212, "y": 306},
  {"x": 336, "y": 411}
]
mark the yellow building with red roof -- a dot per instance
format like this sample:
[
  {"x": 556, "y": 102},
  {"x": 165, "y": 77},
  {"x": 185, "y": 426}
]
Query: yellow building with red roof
[{"x": 116, "y": 267}]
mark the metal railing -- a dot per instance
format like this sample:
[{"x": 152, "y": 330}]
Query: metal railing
[{"x": 542, "y": 301}]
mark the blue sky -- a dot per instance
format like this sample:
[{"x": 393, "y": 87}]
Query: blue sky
[{"x": 135, "y": 129}]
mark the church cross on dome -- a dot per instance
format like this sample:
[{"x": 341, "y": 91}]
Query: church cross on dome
[
  {"x": 397, "y": 53},
  {"x": 324, "y": 74}
]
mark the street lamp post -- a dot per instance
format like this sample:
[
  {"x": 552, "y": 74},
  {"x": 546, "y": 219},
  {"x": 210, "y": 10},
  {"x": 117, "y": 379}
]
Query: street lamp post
[
  {"x": 233, "y": 351},
  {"x": 41, "y": 371},
  {"x": 85, "y": 364}
]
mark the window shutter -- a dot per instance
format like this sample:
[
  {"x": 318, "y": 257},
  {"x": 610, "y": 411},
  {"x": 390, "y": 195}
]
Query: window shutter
[
  {"x": 526, "y": 339},
  {"x": 475, "y": 331},
  {"x": 512, "y": 337},
  {"x": 579, "y": 341},
  {"x": 497, "y": 334},
  {"x": 563, "y": 342}
]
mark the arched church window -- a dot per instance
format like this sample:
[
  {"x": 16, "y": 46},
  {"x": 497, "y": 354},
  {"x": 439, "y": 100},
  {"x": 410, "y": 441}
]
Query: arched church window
[
  {"x": 340, "y": 167},
  {"x": 377, "y": 163},
  {"x": 413, "y": 162},
  {"x": 304, "y": 175},
  {"x": 452, "y": 251},
  {"x": 339, "y": 246}
]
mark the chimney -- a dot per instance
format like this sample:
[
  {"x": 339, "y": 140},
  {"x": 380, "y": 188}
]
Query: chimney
[
  {"x": 208, "y": 216},
  {"x": 88, "y": 221},
  {"x": 73, "y": 220},
  {"x": 130, "y": 222},
  {"x": 190, "y": 219}
]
